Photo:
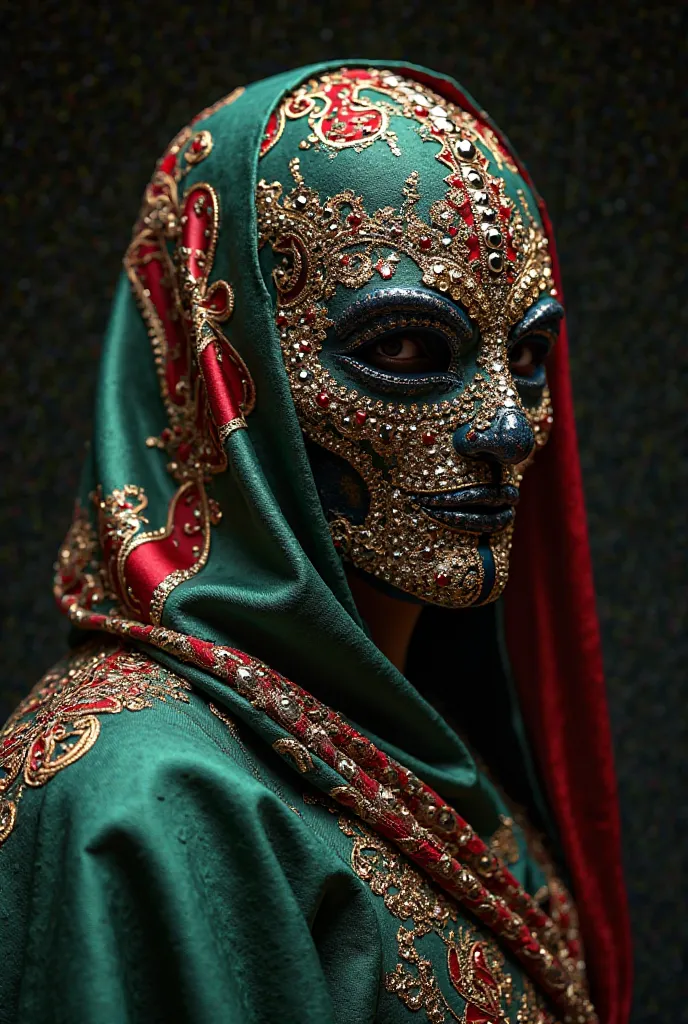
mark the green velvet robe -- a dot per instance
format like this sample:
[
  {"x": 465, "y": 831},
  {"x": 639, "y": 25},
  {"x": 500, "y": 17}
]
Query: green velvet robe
[{"x": 163, "y": 865}]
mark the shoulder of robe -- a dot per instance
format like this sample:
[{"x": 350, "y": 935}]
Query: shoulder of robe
[{"x": 109, "y": 735}]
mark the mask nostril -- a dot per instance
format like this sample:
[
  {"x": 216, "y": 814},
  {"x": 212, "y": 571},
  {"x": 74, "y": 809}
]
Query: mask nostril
[{"x": 509, "y": 439}]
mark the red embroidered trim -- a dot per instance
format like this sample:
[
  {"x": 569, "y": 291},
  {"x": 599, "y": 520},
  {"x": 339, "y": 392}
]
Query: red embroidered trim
[{"x": 205, "y": 384}]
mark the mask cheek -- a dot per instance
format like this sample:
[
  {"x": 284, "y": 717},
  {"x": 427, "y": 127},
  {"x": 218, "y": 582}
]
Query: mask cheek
[{"x": 342, "y": 491}]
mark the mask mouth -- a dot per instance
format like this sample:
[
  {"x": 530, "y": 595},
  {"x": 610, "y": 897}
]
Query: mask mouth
[{"x": 480, "y": 509}]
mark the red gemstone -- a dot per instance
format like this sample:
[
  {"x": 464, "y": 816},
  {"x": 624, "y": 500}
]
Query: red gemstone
[
  {"x": 435, "y": 130},
  {"x": 420, "y": 111},
  {"x": 385, "y": 271},
  {"x": 452, "y": 230},
  {"x": 355, "y": 220},
  {"x": 345, "y": 260},
  {"x": 428, "y": 437},
  {"x": 310, "y": 316},
  {"x": 282, "y": 320},
  {"x": 184, "y": 451},
  {"x": 197, "y": 145},
  {"x": 456, "y": 181},
  {"x": 361, "y": 416},
  {"x": 304, "y": 346},
  {"x": 425, "y": 242},
  {"x": 168, "y": 164},
  {"x": 166, "y": 434},
  {"x": 323, "y": 399},
  {"x": 441, "y": 579}
]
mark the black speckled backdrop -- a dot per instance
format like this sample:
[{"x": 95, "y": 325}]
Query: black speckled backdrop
[{"x": 592, "y": 98}]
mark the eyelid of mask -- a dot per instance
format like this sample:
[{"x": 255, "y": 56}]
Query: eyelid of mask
[
  {"x": 385, "y": 314},
  {"x": 390, "y": 380},
  {"x": 402, "y": 384}
]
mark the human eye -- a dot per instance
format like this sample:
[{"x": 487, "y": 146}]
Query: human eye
[
  {"x": 527, "y": 355},
  {"x": 530, "y": 344},
  {"x": 407, "y": 352},
  {"x": 407, "y": 360}
]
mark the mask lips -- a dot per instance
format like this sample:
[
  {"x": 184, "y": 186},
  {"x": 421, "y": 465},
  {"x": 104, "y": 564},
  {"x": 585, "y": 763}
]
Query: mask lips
[{"x": 479, "y": 509}]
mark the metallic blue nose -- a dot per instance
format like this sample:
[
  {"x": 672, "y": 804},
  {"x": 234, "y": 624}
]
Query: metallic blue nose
[{"x": 508, "y": 439}]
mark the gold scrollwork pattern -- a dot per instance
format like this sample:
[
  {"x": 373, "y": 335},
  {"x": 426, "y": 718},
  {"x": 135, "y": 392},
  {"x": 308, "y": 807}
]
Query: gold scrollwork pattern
[
  {"x": 464, "y": 976},
  {"x": 59, "y": 721}
]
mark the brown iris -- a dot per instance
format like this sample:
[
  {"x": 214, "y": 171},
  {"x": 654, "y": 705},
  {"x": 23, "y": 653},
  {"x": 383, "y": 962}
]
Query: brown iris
[
  {"x": 408, "y": 352},
  {"x": 525, "y": 357}
]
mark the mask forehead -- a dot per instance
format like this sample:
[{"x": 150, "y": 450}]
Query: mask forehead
[{"x": 392, "y": 141}]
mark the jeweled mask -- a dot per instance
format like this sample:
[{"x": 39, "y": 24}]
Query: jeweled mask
[{"x": 415, "y": 307}]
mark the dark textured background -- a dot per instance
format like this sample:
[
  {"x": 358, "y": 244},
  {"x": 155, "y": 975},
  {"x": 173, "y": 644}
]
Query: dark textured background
[{"x": 591, "y": 97}]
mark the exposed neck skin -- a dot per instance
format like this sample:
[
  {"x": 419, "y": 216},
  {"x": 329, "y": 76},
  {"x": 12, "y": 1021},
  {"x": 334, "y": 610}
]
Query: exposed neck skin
[{"x": 391, "y": 621}]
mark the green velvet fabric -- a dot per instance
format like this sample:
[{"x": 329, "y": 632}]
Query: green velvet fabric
[
  {"x": 274, "y": 585},
  {"x": 176, "y": 873}
]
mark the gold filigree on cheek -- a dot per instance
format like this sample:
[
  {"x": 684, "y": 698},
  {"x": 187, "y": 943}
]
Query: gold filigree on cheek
[{"x": 402, "y": 450}]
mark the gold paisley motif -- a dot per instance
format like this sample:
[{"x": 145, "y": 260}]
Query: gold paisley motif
[{"x": 59, "y": 721}]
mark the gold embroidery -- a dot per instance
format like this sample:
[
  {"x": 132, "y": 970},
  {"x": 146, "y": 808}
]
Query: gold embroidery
[
  {"x": 503, "y": 843},
  {"x": 58, "y": 722},
  {"x": 296, "y": 752},
  {"x": 226, "y": 720},
  {"x": 79, "y": 576},
  {"x": 475, "y": 969},
  {"x": 205, "y": 385},
  {"x": 340, "y": 117}
]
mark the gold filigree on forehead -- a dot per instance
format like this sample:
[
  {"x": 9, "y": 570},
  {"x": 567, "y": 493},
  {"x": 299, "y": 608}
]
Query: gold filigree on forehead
[
  {"x": 478, "y": 247},
  {"x": 351, "y": 109},
  {"x": 338, "y": 242}
]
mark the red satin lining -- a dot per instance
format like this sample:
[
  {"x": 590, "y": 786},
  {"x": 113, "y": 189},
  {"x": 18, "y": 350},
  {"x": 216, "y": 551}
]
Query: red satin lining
[
  {"x": 222, "y": 388},
  {"x": 554, "y": 647}
]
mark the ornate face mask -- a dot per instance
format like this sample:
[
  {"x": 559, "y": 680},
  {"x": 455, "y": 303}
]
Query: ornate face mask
[{"x": 415, "y": 306}]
